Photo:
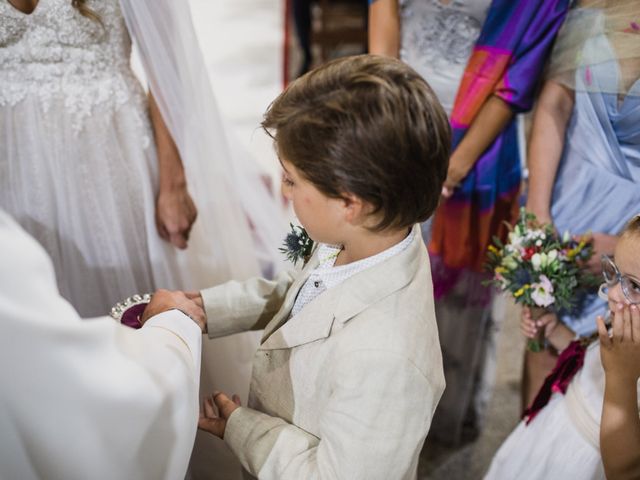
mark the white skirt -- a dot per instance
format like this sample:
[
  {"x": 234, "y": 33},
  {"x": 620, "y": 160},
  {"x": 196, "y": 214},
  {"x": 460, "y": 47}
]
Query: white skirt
[{"x": 549, "y": 448}]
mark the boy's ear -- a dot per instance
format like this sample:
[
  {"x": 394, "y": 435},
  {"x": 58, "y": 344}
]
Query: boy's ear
[{"x": 355, "y": 208}]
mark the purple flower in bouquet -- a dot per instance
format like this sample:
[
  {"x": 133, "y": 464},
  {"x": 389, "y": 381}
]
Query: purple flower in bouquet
[{"x": 542, "y": 292}]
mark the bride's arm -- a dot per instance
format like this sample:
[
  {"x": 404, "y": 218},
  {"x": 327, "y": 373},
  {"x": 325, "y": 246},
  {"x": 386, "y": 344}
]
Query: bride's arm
[
  {"x": 384, "y": 28},
  {"x": 175, "y": 210}
]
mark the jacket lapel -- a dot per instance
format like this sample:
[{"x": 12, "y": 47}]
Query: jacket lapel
[
  {"x": 281, "y": 316},
  {"x": 375, "y": 283},
  {"x": 340, "y": 304},
  {"x": 312, "y": 323}
]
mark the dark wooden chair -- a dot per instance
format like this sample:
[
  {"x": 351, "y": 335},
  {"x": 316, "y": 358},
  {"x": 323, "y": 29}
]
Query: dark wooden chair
[{"x": 341, "y": 23}]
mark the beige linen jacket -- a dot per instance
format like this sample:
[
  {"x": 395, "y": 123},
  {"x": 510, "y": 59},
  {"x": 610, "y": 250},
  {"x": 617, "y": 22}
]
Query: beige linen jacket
[{"x": 346, "y": 389}]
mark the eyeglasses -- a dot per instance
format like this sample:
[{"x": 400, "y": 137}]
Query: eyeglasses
[{"x": 611, "y": 274}]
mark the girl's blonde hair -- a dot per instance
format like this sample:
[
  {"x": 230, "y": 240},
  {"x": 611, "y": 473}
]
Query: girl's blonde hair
[
  {"x": 84, "y": 10},
  {"x": 632, "y": 227}
]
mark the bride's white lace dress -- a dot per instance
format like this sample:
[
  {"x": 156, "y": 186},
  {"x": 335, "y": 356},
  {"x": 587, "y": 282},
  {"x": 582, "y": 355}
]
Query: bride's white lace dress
[
  {"x": 78, "y": 165},
  {"x": 78, "y": 170}
]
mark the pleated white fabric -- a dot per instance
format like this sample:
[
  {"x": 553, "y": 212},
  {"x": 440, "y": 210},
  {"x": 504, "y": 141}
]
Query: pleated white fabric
[
  {"x": 562, "y": 440},
  {"x": 88, "y": 399}
]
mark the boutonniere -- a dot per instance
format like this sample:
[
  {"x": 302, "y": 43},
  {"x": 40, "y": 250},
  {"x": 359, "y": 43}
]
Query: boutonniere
[{"x": 297, "y": 245}]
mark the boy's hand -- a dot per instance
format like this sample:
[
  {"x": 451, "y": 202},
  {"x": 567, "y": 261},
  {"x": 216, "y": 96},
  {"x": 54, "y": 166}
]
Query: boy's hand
[
  {"x": 620, "y": 352},
  {"x": 164, "y": 300},
  {"x": 216, "y": 424}
]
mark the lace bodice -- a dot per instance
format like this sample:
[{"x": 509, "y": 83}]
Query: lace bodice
[
  {"x": 442, "y": 33},
  {"x": 437, "y": 39},
  {"x": 55, "y": 53}
]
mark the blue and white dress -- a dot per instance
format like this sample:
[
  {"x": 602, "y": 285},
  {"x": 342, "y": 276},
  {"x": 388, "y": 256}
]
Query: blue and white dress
[{"x": 596, "y": 188}]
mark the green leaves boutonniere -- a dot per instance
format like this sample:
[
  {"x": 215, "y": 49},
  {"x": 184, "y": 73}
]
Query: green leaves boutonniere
[{"x": 297, "y": 245}]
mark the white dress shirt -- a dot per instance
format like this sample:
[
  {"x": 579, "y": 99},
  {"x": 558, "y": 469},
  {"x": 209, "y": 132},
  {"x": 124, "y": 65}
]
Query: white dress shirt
[{"x": 326, "y": 276}]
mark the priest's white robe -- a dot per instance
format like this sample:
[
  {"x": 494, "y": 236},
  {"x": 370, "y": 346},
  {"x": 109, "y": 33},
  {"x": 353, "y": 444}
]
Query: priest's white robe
[{"x": 88, "y": 399}]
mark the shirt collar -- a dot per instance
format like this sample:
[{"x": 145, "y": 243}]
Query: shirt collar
[{"x": 332, "y": 276}]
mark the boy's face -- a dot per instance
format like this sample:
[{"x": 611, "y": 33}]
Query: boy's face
[{"x": 322, "y": 217}]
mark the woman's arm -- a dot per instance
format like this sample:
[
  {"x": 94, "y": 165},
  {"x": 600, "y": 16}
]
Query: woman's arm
[
  {"x": 494, "y": 115},
  {"x": 384, "y": 28},
  {"x": 550, "y": 120},
  {"x": 548, "y": 132},
  {"x": 175, "y": 210}
]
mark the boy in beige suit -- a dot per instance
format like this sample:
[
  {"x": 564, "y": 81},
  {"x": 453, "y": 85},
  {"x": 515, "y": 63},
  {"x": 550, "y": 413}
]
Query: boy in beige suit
[{"x": 349, "y": 370}]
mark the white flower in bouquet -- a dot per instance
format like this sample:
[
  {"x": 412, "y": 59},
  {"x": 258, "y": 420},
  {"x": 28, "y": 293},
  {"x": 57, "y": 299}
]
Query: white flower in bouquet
[
  {"x": 540, "y": 261},
  {"x": 515, "y": 240},
  {"x": 510, "y": 262},
  {"x": 535, "y": 235},
  {"x": 542, "y": 292},
  {"x": 536, "y": 261}
]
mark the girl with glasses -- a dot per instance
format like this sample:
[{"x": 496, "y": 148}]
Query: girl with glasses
[
  {"x": 584, "y": 148},
  {"x": 593, "y": 429}
]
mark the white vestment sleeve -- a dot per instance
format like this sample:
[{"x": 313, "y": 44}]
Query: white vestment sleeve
[
  {"x": 88, "y": 399},
  {"x": 227, "y": 185}
]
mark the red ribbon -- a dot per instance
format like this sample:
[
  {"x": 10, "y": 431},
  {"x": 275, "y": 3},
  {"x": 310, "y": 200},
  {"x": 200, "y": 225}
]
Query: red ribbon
[{"x": 569, "y": 362}]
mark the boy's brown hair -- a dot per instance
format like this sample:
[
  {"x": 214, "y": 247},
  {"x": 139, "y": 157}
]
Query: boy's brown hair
[{"x": 370, "y": 126}]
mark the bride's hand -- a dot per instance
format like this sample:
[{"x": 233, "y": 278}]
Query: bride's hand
[{"x": 175, "y": 214}]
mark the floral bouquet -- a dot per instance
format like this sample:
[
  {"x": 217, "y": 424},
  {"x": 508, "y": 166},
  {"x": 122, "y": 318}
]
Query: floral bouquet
[{"x": 540, "y": 269}]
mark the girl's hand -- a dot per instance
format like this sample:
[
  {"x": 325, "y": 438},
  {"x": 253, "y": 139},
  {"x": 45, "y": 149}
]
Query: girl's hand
[
  {"x": 620, "y": 352},
  {"x": 175, "y": 214},
  {"x": 529, "y": 327}
]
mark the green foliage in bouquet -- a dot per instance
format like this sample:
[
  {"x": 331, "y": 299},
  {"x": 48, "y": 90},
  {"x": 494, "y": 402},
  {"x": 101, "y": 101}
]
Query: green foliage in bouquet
[{"x": 538, "y": 267}]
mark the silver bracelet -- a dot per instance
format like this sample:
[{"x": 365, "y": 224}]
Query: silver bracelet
[{"x": 129, "y": 311}]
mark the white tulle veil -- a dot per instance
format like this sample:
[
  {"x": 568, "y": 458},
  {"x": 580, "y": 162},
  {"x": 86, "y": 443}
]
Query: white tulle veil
[
  {"x": 588, "y": 23},
  {"x": 229, "y": 189}
]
